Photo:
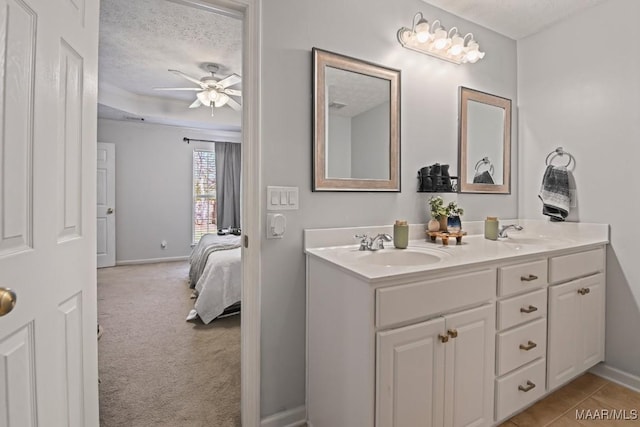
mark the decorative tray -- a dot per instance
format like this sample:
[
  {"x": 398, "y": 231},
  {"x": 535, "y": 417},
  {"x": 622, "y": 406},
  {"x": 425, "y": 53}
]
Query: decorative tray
[{"x": 445, "y": 236}]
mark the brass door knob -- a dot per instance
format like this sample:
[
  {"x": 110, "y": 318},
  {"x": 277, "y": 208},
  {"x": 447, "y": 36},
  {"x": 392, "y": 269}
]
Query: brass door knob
[{"x": 8, "y": 300}]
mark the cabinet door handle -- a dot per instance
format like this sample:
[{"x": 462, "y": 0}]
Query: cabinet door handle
[
  {"x": 528, "y": 346},
  {"x": 526, "y": 388},
  {"x": 584, "y": 291},
  {"x": 443, "y": 338},
  {"x": 529, "y": 309},
  {"x": 528, "y": 278},
  {"x": 453, "y": 333}
]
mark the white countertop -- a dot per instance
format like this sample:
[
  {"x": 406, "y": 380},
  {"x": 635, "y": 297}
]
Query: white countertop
[{"x": 537, "y": 238}]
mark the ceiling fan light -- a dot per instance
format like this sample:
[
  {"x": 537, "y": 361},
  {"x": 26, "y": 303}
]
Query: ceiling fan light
[
  {"x": 222, "y": 99},
  {"x": 203, "y": 97}
]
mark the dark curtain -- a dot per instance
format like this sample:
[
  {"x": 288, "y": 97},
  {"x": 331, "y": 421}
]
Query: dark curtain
[{"x": 228, "y": 165}]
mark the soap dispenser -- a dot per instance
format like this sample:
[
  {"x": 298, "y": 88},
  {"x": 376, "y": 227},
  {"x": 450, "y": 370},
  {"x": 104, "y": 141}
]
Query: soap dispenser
[
  {"x": 401, "y": 234},
  {"x": 491, "y": 228}
]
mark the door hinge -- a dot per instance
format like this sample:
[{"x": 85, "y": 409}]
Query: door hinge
[{"x": 246, "y": 241}]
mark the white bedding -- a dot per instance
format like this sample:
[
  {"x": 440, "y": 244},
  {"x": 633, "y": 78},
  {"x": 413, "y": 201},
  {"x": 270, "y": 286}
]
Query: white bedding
[{"x": 219, "y": 285}]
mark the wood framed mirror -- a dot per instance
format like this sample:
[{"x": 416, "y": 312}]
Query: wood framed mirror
[
  {"x": 356, "y": 124},
  {"x": 484, "y": 134}
]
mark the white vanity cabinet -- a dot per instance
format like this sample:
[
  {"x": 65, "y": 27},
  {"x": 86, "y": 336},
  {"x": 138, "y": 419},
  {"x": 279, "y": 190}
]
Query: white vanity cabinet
[
  {"x": 418, "y": 352},
  {"x": 521, "y": 336},
  {"x": 576, "y": 315},
  {"x": 437, "y": 372},
  {"x": 469, "y": 341}
]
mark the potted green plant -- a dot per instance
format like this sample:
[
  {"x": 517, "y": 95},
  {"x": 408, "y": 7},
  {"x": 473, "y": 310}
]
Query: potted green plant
[
  {"x": 439, "y": 214},
  {"x": 454, "y": 224}
]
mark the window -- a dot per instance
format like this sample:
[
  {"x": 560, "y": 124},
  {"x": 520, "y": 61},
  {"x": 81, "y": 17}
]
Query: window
[{"x": 204, "y": 193}]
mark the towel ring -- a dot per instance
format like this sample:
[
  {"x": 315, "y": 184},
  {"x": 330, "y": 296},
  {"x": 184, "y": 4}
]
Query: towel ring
[
  {"x": 559, "y": 152},
  {"x": 484, "y": 161}
]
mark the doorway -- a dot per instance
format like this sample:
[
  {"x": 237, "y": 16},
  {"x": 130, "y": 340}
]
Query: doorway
[{"x": 250, "y": 314}]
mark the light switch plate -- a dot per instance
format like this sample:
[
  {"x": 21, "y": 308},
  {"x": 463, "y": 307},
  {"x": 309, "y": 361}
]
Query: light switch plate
[{"x": 282, "y": 198}]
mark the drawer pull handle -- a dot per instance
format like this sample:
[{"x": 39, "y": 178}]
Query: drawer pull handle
[
  {"x": 443, "y": 338},
  {"x": 529, "y": 309},
  {"x": 584, "y": 291},
  {"x": 529, "y": 278},
  {"x": 453, "y": 333},
  {"x": 528, "y": 346},
  {"x": 526, "y": 388}
]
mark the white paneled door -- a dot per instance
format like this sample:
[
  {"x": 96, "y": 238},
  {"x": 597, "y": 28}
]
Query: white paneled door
[
  {"x": 106, "y": 202},
  {"x": 48, "y": 82}
]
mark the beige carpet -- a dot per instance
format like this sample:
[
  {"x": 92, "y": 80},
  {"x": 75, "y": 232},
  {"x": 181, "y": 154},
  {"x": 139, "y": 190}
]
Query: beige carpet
[{"x": 155, "y": 368}]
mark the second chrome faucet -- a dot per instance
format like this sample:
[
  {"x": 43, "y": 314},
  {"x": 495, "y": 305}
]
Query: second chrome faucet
[
  {"x": 373, "y": 243},
  {"x": 502, "y": 234}
]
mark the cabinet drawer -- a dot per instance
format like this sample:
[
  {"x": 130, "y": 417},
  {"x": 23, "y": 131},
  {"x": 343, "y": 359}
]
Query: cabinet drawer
[
  {"x": 522, "y": 277},
  {"x": 522, "y": 308},
  {"x": 567, "y": 267},
  {"x": 402, "y": 303},
  {"x": 521, "y": 345},
  {"x": 519, "y": 389}
]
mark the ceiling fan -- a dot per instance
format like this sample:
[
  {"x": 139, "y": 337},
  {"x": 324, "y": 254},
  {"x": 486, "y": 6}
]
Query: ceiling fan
[{"x": 211, "y": 92}]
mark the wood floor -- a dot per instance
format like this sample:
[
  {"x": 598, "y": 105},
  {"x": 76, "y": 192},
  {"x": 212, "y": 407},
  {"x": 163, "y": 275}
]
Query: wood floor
[{"x": 588, "y": 395}]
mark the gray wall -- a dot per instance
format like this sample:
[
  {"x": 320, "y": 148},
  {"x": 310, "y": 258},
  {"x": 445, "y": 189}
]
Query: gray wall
[
  {"x": 153, "y": 187},
  {"x": 429, "y": 133},
  {"x": 370, "y": 143},
  {"x": 339, "y": 148},
  {"x": 586, "y": 101}
]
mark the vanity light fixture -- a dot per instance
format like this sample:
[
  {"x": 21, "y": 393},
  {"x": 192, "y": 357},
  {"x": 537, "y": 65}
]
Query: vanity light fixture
[{"x": 434, "y": 40}]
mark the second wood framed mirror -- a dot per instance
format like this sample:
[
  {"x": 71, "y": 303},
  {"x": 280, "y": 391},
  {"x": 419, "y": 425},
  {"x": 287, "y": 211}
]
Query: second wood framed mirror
[
  {"x": 484, "y": 143},
  {"x": 356, "y": 135}
]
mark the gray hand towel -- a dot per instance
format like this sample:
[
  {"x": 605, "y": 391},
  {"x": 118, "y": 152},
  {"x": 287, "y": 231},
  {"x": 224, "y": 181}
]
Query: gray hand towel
[
  {"x": 483, "y": 178},
  {"x": 554, "y": 193}
]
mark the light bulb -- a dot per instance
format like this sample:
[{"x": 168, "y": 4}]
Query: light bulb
[
  {"x": 422, "y": 31},
  {"x": 440, "y": 39},
  {"x": 473, "y": 53},
  {"x": 457, "y": 45},
  {"x": 213, "y": 95}
]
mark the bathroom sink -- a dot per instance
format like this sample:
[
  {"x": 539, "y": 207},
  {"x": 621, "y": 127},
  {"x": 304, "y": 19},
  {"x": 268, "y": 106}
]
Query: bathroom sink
[
  {"x": 533, "y": 241},
  {"x": 397, "y": 257}
]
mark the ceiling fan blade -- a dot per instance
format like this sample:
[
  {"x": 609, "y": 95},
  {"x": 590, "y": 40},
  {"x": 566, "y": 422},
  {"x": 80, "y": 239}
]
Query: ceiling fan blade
[
  {"x": 178, "y": 88},
  {"x": 234, "y": 104},
  {"x": 230, "y": 80},
  {"x": 191, "y": 79},
  {"x": 233, "y": 92},
  {"x": 195, "y": 104}
]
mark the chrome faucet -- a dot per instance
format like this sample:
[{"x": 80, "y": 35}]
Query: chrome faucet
[
  {"x": 373, "y": 244},
  {"x": 378, "y": 241},
  {"x": 503, "y": 230}
]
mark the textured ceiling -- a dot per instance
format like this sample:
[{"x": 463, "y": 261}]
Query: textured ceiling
[
  {"x": 513, "y": 18},
  {"x": 141, "y": 39},
  {"x": 357, "y": 92}
]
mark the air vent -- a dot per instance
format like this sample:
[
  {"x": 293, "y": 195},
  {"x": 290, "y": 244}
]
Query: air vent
[{"x": 337, "y": 105}]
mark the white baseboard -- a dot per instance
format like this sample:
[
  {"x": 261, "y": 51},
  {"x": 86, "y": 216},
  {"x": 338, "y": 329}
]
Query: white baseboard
[
  {"x": 291, "y": 418},
  {"x": 152, "y": 260},
  {"x": 617, "y": 376}
]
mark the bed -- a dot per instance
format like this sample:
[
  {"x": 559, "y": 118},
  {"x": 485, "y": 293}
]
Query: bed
[{"x": 214, "y": 273}]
